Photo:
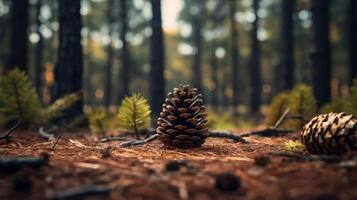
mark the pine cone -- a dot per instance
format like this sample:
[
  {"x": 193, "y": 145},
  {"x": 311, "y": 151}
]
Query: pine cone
[
  {"x": 332, "y": 133},
  {"x": 182, "y": 122}
]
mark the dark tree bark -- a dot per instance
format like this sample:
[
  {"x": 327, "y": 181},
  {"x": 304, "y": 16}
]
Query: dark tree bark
[
  {"x": 353, "y": 39},
  {"x": 255, "y": 75},
  {"x": 234, "y": 55},
  {"x": 157, "y": 82},
  {"x": 18, "y": 35},
  {"x": 214, "y": 78},
  {"x": 124, "y": 74},
  {"x": 321, "y": 51},
  {"x": 285, "y": 74},
  {"x": 39, "y": 50},
  {"x": 197, "y": 42},
  {"x": 110, "y": 56},
  {"x": 68, "y": 71}
]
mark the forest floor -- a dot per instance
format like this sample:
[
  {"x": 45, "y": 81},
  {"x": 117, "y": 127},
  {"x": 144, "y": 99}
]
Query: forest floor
[{"x": 79, "y": 161}]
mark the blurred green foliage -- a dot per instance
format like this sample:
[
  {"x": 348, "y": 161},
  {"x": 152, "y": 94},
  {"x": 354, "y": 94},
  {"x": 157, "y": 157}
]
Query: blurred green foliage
[
  {"x": 301, "y": 102},
  {"x": 347, "y": 104},
  {"x": 20, "y": 101},
  {"x": 293, "y": 146}
]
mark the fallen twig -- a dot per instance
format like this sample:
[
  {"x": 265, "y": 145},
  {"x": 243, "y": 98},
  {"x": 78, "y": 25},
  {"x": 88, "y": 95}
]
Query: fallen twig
[
  {"x": 55, "y": 143},
  {"x": 139, "y": 142},
  {"x": 267, "y": 132},
  {"x": 6, "y": 135},
  {"x": 281, "y": 119},
  {"x": 84, "y": 191},
  {"x": 226, "y": 134},
  {"x": 45, "y": 134},
  {"x": 14, "y": 164},
  {"x": 324, "y": 157},
  {"x": 113, "y": 138}
]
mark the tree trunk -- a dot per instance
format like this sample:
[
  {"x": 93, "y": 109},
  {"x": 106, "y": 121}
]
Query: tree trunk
[
  {"x": 214, "y": 78},
  {"x": 255, "y": 75},
  {"x": 321, "y": 52},
  {"x": 124, "y": 74},
  {"x": 157, "y": 82},
  {"x": 353, "y": 40},
  {"x": 110, "y": 56},
  {"x": 68, "y": 71},
  {"x": 286, "y": 70},
  {"x": 18, "y": 35},
  {"x": 197, "y": 42},
  {"x": 39, "y": 50},
  {"x": 234, "y": 56}
]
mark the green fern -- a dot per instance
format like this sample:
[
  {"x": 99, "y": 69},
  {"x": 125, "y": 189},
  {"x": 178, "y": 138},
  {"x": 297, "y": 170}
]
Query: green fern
[
  {"x": 338, "y": 105},
  {"x": 276, "y": 109},
  {"x": 20, "y": 102},
  {"x": 19, "y": 99},
  {"x": 301, "y": 102},
  {"x": 134, "y": 114},
  {"x": 57, "y": 108}
]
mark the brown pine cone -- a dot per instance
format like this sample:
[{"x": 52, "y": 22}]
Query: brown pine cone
[
  {"x": 182, "y": 122},
  {"x": 332, "y": 133}
]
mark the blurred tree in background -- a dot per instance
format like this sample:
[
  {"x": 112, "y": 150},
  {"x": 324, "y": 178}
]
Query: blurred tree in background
[{"x": 239, "y": 53}]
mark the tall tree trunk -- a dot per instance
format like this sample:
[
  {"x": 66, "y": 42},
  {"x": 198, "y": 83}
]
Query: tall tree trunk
[
  {"x": 321, "y": 51},
  {"x": 39, "y": 50},
  {"x": 197, "y": 41},
  {"x": 234, "y": 56},
  {"x": 68, "y": 71},
  {"x": 124, "y": 74},
  {"x": 286, "y": 70},
  {"x": 110, "y": 56},
  {"x": 18, "y": 35},
  {"x": 353, "y": 39},
  {"x": 214, "y": 78},
  {"x": 157, "y": 82},
  {"x": 255, "y": 75}
]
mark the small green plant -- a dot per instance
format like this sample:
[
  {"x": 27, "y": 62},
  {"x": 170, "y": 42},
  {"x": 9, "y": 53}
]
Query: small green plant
[
  {"x": 20, "y": 102},
  {"x": 293, "y": 146},
  {"x": 134, "y": 114},
  {"x": 346, "y": 104},
  {"x": 301, "y": 103},
  {"x": 19, "y": 99},
  {"x": 100, "y": 121}
]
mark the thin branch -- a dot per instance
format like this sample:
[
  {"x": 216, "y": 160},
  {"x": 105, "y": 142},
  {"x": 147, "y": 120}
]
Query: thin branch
[
  {"x": 282, "y": 118},
  {"x": 55, "y": 143},
  {"x": 113, "y": 138},
  {"x": 46, "y": 135},
  {"x": 139, "y": 142},
  {"x": 14, "y": 164},
  {"x": 6, "y": 135},
  {"x": 226, "y": 134},
  {"x": 268, "y": 132},
  {"x": 81, "y": 192}
]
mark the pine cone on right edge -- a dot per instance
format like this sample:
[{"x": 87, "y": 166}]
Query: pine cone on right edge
[{"x": 332, "y": 133}]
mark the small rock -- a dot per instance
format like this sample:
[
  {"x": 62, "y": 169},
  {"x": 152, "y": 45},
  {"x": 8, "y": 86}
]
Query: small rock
[
  {"x": 261, "y": 161},
  {"x": 105, "y": 153},
  {"x": 227, "y": 182},
  {"x": 175, "y": 165}
]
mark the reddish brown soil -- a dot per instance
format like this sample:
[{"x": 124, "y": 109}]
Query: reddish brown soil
[{"x": 139, "y": 172}]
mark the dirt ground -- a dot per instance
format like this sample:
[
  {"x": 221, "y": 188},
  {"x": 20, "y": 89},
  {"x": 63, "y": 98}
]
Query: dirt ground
[{"x": 152, "y": 172}]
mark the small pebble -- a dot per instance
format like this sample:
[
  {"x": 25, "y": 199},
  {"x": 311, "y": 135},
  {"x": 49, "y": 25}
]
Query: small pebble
[
  {"x": 175, "y": 165},
  {"x": 227, "y": 182},
  {"x": 105, "y": 153},
  {"x": 261, "y": 161}
]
